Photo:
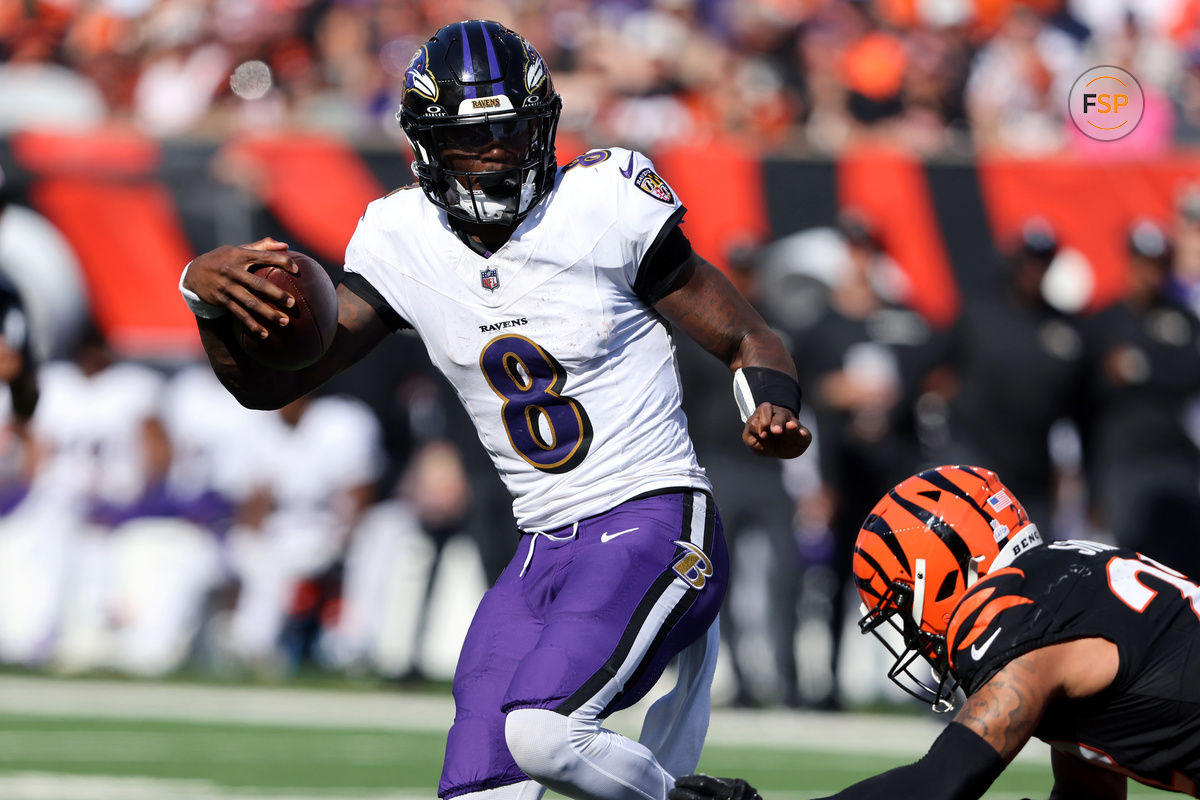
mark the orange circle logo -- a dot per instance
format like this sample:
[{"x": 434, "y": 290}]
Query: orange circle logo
[{"x": 1106, "y": 103}]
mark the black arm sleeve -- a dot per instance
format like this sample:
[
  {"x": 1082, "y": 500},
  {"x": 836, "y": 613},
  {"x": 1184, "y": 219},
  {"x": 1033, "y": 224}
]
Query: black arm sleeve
[
  {"x": 959, "y": 766},
  {"x": 363, "y": 288},
  {"x": 666, "y": 264}
]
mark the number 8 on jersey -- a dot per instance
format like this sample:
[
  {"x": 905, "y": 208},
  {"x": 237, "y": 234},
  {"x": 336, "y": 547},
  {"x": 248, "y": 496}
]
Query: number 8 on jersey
[{"x": 549, "y": 430}]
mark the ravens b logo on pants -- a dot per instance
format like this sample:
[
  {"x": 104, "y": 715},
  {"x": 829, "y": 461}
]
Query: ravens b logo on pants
[{"x": 694, "y": 566}]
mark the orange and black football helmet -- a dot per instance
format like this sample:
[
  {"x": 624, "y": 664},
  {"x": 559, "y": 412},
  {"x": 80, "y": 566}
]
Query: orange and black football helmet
[{"x": 920, "y": 549}]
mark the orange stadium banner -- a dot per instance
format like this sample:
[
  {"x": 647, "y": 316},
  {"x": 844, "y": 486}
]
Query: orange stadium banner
[
  {"x": 317, "y": 186},
  {"x": 118, "y": 205},
  {"x": 890, "y": 188},
  {"x": 722, "y": 187},
  {"x": 1090, "y": 204},
  {"x": 98, "y": 189}
]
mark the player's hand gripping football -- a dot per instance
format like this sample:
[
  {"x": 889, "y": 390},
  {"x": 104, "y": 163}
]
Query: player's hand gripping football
[
  {"x": 222, "y": 277},
  {"x": 775, "y": 431},
  {"x": 705, "y": 787}
]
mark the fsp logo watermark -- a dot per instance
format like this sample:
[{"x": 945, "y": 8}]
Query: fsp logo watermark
[{"x": 1106, "y": 103}]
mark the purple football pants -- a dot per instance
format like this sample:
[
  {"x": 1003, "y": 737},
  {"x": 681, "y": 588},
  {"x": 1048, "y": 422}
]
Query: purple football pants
[{"x": 583, "y": 621}]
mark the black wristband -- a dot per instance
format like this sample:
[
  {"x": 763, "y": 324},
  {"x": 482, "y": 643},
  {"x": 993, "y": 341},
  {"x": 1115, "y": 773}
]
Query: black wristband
[{"x": 753, "y": 386}]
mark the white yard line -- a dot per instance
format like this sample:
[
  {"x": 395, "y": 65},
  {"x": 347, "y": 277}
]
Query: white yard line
[
  {"x": 358, "y": 710},
  {"x": 51, "y": 786},
  {"x": 224, "y": 704},
  {"x": 387, "y": 710}
]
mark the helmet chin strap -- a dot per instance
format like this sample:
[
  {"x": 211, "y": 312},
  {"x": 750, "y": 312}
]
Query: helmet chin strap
[
  {"x": 479, "y": 204},
  {"x": 941, "y": 704},
  {"x": 973, "y": 570},
  {"x": 918, "y": 608}
]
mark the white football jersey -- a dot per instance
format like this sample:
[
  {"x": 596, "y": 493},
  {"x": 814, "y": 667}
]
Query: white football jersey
[
  {"x": 335, "y": 447},
  {"x": 210, "y": 433},
  {"x": 570, "y": 378},
  {"x": 93, "y": 429}
]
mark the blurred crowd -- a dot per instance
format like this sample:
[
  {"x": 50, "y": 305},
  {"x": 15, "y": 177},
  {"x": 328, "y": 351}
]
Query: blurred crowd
[
  {"x": 799, "y": 76},
  {"x": 1091, "y": 415},
  {"x": 148, "y": 523}
]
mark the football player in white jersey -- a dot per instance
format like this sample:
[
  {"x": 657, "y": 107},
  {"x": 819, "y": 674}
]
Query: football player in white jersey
[
  {"x": 315, "y": 463},
  {"x": 547, "y": 296}
]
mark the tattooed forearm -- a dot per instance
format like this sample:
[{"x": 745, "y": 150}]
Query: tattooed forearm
[{"x": 1007, "y": 710}]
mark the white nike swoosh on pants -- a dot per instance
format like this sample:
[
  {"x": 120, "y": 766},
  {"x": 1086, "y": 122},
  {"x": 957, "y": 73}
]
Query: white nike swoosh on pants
[{"x": 606, "y": 536}]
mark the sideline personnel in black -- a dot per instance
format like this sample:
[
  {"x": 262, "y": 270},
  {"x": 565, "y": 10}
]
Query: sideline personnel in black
[
  {"x": 1015, "y": 367},
  {"x": 1144, "y": 357}
]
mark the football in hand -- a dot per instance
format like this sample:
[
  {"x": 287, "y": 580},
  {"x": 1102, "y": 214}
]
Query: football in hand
[{"x": 312, "y": 321}]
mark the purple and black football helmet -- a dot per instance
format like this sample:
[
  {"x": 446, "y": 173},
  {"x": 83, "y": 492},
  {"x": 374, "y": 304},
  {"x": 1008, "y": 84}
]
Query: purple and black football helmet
[{"x": 473, "y": 83}]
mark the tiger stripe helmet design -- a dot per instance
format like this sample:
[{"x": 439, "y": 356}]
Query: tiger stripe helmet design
[{"x": 923, "y": 545}]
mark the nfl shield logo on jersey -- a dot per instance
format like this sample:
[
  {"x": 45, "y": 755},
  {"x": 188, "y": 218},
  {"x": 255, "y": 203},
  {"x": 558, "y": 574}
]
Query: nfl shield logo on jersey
[{"x": 490, "y": 279}]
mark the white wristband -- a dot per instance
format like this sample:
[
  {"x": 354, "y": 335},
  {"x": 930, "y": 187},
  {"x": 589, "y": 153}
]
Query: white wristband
[
  {"x": 753, "y": 386},
  {"x": 195, "y": 304},
  {"x": 743, "y": 396}
]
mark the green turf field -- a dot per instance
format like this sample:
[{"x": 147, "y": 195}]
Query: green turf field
[{"x": 124, "y": 746}]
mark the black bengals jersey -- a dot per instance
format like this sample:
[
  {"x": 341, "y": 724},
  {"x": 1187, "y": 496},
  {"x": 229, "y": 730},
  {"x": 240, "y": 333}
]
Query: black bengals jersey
[{"x": 1147, "y": 724}]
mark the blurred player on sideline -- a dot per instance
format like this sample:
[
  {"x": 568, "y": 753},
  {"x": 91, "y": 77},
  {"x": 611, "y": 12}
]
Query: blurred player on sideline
[
  {"x": 22, "y": 636},
  {"x": 315, "y": 463},
  {"x": 91, "y": 429},
  {"x": 1144, "y": 375},
  {"x": 18, "y": 368},
  {"x": 167, "y": 543},
  {"x": 1091, "y": 648},
  {"x": 999, "y": 346},
  {"x": 544, "y": 295}
]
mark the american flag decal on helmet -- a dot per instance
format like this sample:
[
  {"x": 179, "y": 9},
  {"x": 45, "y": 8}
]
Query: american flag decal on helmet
[{"x": 999, "y": 501}]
